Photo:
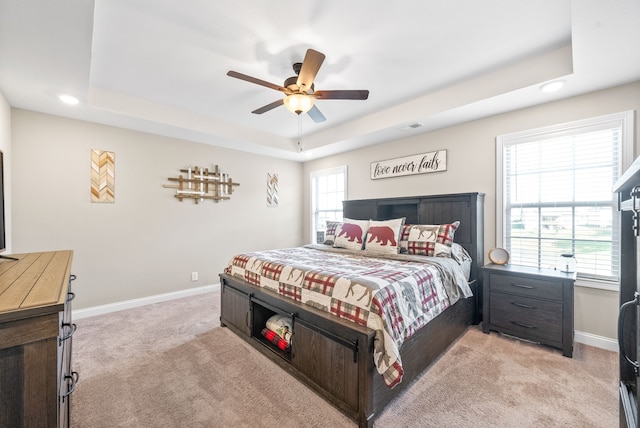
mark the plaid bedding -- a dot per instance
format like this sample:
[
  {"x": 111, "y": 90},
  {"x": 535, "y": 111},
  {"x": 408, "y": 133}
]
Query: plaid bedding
[
  {"x": 394, "y": 295},
  {"x": 273, "y": 337}
]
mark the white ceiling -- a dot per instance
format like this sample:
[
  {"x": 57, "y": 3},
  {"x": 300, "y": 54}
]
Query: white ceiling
[{"x": 160, "y": 66}]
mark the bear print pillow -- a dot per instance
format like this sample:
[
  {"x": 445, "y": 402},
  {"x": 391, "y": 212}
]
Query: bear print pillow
[
  {"x": 384, "y": 236},
  {"x": 350, "y": 234}
]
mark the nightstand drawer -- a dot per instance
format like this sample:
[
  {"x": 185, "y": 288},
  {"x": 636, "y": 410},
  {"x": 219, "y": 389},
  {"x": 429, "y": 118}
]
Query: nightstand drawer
[
  {"x": 526, "y": 317},
  {"x": 525, "y": 286}
]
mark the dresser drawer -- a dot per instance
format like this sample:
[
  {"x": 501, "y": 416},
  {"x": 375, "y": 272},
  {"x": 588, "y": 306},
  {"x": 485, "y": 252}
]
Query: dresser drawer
[
  {"x": 527, "y": 317},
  {"x": 525, "y": 286}
]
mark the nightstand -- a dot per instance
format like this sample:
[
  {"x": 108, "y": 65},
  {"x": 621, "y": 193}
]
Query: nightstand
[{"x": 529, "y": 303}]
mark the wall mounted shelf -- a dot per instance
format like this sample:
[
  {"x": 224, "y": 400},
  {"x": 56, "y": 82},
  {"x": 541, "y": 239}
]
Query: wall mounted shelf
[{"x": 200, "y": 184}]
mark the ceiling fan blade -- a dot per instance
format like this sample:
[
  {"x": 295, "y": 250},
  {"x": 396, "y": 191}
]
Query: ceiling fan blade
[
  {"x": 315, "y": 115},
  {"x": 342, "y": 95},
  {"x": 268, "y": 107},
  {"x": 310, "y": 66},
  {"x": 257, "y": 81}
]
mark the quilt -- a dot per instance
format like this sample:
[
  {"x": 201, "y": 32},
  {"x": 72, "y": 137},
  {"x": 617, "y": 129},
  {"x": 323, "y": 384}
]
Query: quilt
[{"x": 394, "y": 295}]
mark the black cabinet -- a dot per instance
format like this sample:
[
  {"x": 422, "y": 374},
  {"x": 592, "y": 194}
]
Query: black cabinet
[
  {"x": 530, "y": 303},
  {"x": 67, "y": 377},
  {"x": 628, "y": 192}
]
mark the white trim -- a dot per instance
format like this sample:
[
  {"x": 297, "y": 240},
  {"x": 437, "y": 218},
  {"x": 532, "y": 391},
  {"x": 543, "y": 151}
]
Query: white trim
[
  {"x": 598, "y": 284},
  {"x": 579, "y": 336},
  {"x": 135, "y": 303},
  {"x": 596, "y": 341}
]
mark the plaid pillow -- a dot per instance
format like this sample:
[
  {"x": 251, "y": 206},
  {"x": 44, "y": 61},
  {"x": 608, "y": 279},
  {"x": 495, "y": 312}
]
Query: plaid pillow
[
  {"x": 404, "y": 237},
  {"x": 330, "y": 233},
  {"x": 431, "y": 239}
]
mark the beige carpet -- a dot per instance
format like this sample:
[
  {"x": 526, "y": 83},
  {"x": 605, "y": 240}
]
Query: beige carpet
[{"x": 171, "y": 365}]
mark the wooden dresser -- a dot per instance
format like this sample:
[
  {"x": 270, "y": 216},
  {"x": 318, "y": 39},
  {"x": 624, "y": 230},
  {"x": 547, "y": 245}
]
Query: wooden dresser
[
  {"x": 530, "y": 303},
  {"x": 36, "y": 332}
]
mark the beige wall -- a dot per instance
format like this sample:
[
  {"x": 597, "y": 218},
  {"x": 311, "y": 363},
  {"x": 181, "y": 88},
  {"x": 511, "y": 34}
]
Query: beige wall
[
  {"x": 471, "y": 167},
  {"x": 147, "y": 242}
]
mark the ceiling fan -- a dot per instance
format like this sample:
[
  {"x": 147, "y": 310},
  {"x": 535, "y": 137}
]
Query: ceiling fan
[{"x": 300, "y": 89}]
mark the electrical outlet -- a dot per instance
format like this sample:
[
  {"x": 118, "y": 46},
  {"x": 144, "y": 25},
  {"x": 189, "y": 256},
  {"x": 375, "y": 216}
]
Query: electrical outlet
[{"x": 194, "y": 276}]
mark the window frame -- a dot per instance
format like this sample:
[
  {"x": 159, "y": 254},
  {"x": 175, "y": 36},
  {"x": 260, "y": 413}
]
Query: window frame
[
  {"x": 626, "y": 122},
  {"x": 313, "y": 175}
]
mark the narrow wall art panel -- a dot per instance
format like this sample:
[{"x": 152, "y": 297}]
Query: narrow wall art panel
[
  {"x": 103, "y": 181},
  {"x": 272, "y": 190}
]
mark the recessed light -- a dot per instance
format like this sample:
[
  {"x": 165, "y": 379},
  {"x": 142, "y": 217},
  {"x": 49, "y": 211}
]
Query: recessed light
[
  {"x": 552, "y": 86},
  {"x": 68, "y": 99}
]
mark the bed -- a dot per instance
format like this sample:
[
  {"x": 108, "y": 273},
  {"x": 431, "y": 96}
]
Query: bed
[{"x": 353, "y": 350}]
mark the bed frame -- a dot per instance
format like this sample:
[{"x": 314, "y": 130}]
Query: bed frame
[{"x": 334, "y": 357}]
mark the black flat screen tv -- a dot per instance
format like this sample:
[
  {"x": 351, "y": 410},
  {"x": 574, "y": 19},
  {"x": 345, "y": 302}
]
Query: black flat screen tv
[{"x": 3, "y": 242}]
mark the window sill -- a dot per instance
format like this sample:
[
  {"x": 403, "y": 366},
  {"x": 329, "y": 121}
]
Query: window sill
[{"x": 599, "y": 284}]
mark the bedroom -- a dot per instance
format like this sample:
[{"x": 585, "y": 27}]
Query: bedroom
[{"x": 147, "y": 244}]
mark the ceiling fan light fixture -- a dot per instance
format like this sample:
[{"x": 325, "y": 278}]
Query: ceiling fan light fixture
[{"x": 298, "y": 103}]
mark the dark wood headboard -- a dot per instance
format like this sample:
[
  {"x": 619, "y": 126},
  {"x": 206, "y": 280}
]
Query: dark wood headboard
[{"x": 468, "y": 208}]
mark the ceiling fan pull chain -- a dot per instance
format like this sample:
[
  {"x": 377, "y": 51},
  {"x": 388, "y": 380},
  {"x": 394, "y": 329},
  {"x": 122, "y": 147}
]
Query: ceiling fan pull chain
[{"x": 299, "y": 134}]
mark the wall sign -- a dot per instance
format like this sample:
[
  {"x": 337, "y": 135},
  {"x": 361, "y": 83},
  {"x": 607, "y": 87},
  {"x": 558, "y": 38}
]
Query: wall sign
[{"x": 410, "y": 165}]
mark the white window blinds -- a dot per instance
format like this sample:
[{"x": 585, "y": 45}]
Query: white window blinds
[
  {"x": 557, "y": 196},
  {"x": 328, "y": 190}
]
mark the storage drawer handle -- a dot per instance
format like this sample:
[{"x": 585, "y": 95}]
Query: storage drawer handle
[
  {"x": 73, "y": 326},
  {"x": 522, "y": 305},
  {"x": 528, "y": 287},
  {"x": 75, "y": 377},
  {"x": 625, "y": 309},
  {"x": 523, "y": 325},
  {"x": 70, "y": 296}
]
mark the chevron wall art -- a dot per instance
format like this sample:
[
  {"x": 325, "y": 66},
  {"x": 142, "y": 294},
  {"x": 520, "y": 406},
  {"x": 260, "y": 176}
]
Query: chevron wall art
[
  {"x": 103, "y": 181},
  {"x": 272, "y": 190}
]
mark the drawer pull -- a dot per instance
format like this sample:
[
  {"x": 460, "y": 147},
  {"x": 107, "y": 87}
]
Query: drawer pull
[
  {"x": 522, "y": 305},
  {"x": 70, "y": 296},
  {"x": 73, "y": 326},
  {"x": 523, "y": 325},
  {"x": 528, "y": 287},
  {"x": 74, "y": 376}
]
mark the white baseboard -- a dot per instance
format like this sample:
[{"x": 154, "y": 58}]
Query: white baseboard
[
  {"x": 597, "y": 341},
  {"x": 579, "y": 336},
  {"x": 135, "y": 303}
]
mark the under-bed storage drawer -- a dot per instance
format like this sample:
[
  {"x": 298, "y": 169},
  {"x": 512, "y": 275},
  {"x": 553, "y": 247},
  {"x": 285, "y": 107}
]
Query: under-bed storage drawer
[
  {"x": 330, "y": 363},
  {"x": 260, "y": 314}
]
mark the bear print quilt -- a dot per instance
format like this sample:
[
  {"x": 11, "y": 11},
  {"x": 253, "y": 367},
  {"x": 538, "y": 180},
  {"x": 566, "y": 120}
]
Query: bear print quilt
[{"x": 393, "y": 295}]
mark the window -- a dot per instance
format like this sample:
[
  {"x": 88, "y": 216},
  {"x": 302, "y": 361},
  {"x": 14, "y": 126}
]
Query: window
[
  {"x": 555, "y": 196},
  {"x": 328, "y": 190}
]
